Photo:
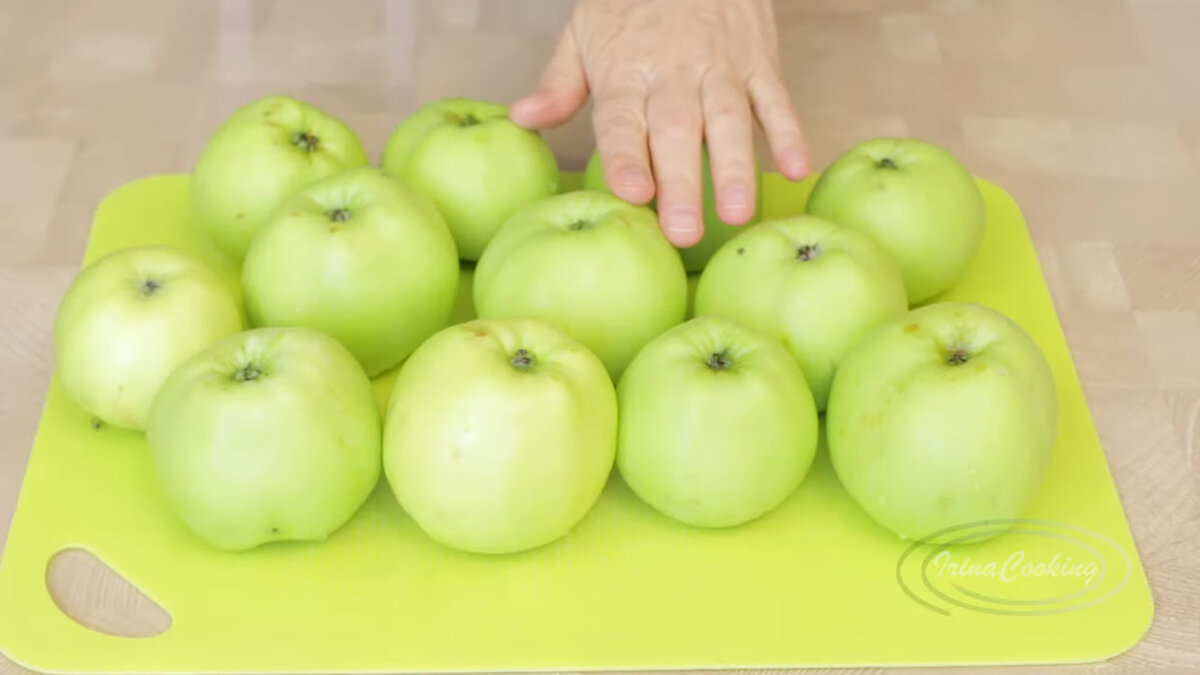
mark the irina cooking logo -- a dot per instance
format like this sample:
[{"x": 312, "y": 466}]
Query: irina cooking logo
[{"x": 1014, "y": 568}]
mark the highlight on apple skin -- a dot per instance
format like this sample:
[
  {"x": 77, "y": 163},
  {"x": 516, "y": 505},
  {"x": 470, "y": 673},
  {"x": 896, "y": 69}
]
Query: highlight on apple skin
[
  {"x": 916, "y": 200},
  {"x": 477, "y": 166},
  {"x": 258, "y": 156},
  {"x": 717, "y": 425},
  {"x": 596, "y": 267},
  {"x": 816, "y": 286},
  {"x": 128, "y": 320},
  {"x": 361, "y": 257},
  {"x": 945, "y": 417},
  {"x": 500, "y": 435}
]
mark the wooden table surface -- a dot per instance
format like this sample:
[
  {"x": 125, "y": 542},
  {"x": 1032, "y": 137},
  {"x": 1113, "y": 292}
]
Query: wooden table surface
[{"x": 1087, "y": 111}]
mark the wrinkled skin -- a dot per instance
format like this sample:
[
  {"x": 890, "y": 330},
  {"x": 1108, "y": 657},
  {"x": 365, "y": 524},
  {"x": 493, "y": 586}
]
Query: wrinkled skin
[{"x": 665, "y": 75}]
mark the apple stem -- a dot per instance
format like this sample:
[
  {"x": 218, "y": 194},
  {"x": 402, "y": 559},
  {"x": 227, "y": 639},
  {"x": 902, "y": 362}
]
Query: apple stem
[
  {"x": 465, "y": 120},
  {"x": 522, "y": 360},
  {"x": 306, "y": 141},
  {"x": 887, "y": 163},
  {"x": 247, "y": 372},
  {"x": 808, "y": 252},
  {"x": 149, "y": 286},
  {"x": 719, "y": 360}
]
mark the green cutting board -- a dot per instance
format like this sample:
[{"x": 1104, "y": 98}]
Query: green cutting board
[{"x": 813, "y": 583}]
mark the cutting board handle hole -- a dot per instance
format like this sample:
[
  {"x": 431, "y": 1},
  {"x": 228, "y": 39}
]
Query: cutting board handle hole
[{"x": 97, "y": 597}]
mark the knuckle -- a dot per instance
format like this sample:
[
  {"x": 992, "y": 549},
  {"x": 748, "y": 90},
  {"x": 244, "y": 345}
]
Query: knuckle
[
  {"x": 676, "y": 140},
  {"x": 623, "y": 160},
  {"x": 618, "y": 117},
  {"x": 672, "y": 74},
  {"x": 779, "y": 109},
  {"x": 554, "y": 73},
  {"x": 731, "y": 170},
  {"x": 779, "y": 117},
  {"x": 726, "y": 110},
  {"x": 619, "y": 86},
  {"x": 676, "y": 120},
  {"x": 677, "y": 174}
]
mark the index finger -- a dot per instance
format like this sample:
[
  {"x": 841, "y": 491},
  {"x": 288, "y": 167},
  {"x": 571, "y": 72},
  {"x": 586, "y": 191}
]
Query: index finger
[{"x": 619, "y": 121}]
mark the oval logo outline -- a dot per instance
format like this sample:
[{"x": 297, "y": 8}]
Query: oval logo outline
[{"x": 981, "y": 530}]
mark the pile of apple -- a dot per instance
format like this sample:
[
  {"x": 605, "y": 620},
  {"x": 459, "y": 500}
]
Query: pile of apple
[{"x": 501, "y": 432}]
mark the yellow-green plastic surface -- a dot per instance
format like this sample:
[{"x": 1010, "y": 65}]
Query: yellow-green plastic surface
[{"x": 815, "y": 582}]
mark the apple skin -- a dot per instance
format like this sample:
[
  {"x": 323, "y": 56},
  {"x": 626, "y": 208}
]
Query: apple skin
[
  {"x": 916, "y": 200},
  {"x": 128, "y": 320},
  {"x": 818, "y": 302},
  {"x": 272, "y": 434},
  {"x": 716, "y": 232},
  {"x": 492, "y": 449},
  {"x": 477, "y": 166},
  {"x": 717, "y": 425},
  {"x": 381, "y": 278},
  {"x": 257, "y": 157},
  {"x": 592, "y": 265},
  {"x": 923, "y": 443},
  {"x": 593, "y": 175}
]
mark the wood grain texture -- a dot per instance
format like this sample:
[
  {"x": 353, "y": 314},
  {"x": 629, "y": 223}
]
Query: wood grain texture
[{"x": 1087, "y": 111}]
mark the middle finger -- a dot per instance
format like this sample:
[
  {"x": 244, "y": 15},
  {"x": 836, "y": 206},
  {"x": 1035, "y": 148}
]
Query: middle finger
[{"x": 675, "y": 130}]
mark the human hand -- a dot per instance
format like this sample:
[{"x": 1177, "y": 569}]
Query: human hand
[{"x": 665, "y": 75}]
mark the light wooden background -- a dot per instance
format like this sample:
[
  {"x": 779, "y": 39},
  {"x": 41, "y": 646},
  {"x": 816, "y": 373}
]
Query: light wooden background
[{"x": 1087, "y": 111}]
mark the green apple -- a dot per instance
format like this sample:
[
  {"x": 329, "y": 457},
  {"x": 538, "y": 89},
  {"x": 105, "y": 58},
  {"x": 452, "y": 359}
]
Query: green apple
[
  {"x": 816, "y": 286},
  {"x": 500, "y": 435},
  {"x": 593, "y": 175},
  {"x": 358, "y": 256},
  {"x": 271, "y": 434},
  {"x": 716, "y": 232},
  {"x": 717, "y": 424},
  {"x": 592, "y": 265},
  {"x": 128, "y": 320},
  {"x": 916, "y": 200},
  {"x": 943, "y": 418},
  {"x": 259, "y": 155},
  {"x": 477, "y": 166}
]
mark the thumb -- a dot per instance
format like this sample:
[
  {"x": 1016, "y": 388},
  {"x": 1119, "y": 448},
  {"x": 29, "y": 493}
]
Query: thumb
[{"x": 562, "y": 92}]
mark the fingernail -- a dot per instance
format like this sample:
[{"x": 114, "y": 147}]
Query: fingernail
[
  {"x": 794, "y": 163},
  {"x": 631, "y": 177},
  {"x": 520, "y": 108},
  {"x": 682, "y": 225},
  {"x": 736, "y": 198}
]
